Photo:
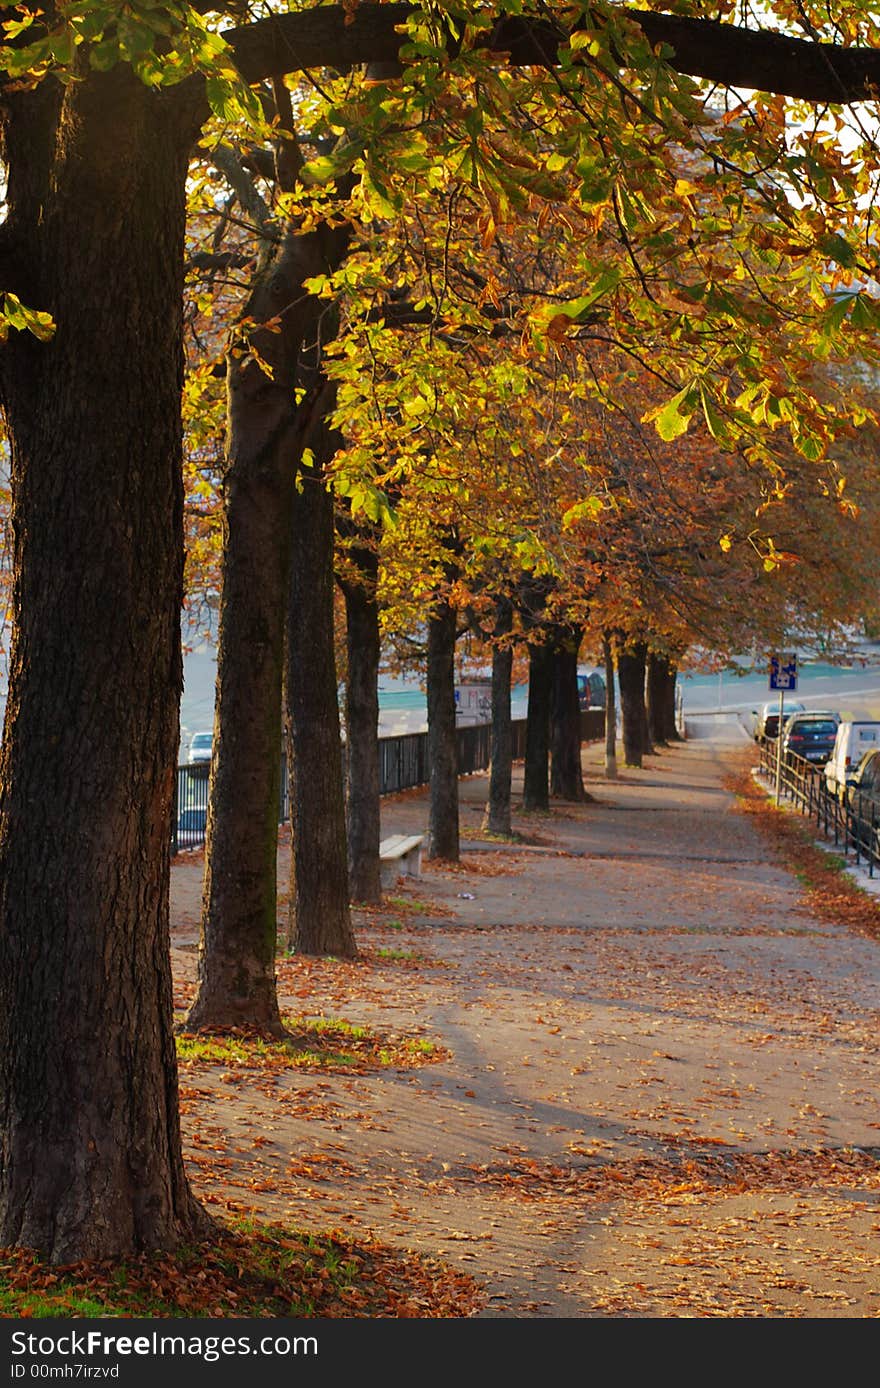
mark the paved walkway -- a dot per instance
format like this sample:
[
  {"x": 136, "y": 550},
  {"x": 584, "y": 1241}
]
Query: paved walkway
[{"x": 660, "y": 1097}]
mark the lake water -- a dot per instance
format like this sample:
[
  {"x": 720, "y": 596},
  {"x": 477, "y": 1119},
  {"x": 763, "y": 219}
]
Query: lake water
[{"x": 402, "y": 705}]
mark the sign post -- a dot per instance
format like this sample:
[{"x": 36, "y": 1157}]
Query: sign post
[{"x": 783, "y": 675}]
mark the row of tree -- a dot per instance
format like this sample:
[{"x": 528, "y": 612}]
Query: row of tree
[{"x": 471, "y": 243}]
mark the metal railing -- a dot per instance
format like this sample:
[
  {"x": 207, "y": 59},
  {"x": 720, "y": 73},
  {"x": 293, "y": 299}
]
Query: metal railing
[
  {"x": 403, "y": 765},
  {"x": 680, "y": 724},
  {"x": 851, "y": 824}
]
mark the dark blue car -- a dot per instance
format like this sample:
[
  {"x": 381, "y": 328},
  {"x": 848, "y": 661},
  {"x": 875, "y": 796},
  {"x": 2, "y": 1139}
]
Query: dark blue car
[{"x": 811, "y": 735}]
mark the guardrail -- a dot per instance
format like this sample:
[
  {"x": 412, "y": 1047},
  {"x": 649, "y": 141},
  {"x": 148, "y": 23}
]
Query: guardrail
[
  {"x": 403, "y": 765},
  {"x": 853, "y": 825}
]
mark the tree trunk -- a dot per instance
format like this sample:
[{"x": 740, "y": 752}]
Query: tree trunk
[
  {"x": 497, "y": 820},
  {"x": 610, "y": 710},
  {"x": 90, "y": 1157},
  {"x": 443, "y": 838},
  {"x": 536, "y": 790},
  {"x": 655, "y": 694},
  {"x": 320, "y": 915},
  {"x": 362, "y": 729},
  {"x": 666, "y": 701},
  {"x": 239, "y": 908},
  {"x": 641, "y": 650},
  {"x": 566, "y": 777},
  {"x": 268, "y": 424},
  {"x": 631, "y": 678}
]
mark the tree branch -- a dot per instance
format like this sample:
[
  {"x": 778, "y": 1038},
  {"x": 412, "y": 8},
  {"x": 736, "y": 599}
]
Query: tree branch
[
  {"x": 722, "y": 53},
  {"x": 236, "y": 175},
  {"x": 211, "y": 261}
]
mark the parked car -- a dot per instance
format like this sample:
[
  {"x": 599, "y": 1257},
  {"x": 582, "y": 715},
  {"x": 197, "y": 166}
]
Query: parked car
[
  {"x": 810, "y": 735},
  {"x": 766, "y": 725},
  {"x": 863, "y": 802},
  {"x": 191, "y": 825},
  {"x": 200, "y": 748},
  {"x": 591, "y": 689},
  {"x": 854, "y": 738}
]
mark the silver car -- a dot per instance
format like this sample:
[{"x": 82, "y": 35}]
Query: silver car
[{"x": 200, "y": 748}]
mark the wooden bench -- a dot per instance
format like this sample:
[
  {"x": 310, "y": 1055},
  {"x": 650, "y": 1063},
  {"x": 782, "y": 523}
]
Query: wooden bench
[{"x": 400, "y": 856}]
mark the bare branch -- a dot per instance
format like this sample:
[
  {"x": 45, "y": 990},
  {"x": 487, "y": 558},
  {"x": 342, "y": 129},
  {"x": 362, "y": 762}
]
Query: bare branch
[{"x": 230, "y": 165}]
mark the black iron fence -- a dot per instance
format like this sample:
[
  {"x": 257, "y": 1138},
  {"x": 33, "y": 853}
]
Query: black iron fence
[
  {"x": 851, "y": 822},
  {"x": 403, "y": 765}
]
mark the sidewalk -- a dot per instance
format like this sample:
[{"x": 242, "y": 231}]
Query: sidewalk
[{"x": 660, "y": 1093}]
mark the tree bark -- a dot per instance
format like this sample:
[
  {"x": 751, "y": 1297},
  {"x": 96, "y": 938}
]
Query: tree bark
[
  {"x": 443, "y": 834},
  {"x": 566, "y": 776},
  {"x": 666, "y": 701},
  {"x": 610, "y": 709},
  {"x": 320, "y": 915},
  {"x": 497, "y": 819},
  {"x": 90, "y": 1156},
  {"x": 631, "y": 679},
  {"x": 362, "y": 729},
  {"x": 536, "y": 788},
  {"x": 655, "y": 695},
  {"x": 269, "y": 424},
  {"x": 641, "y": 651},
  {"x": 728, "y": 54}
]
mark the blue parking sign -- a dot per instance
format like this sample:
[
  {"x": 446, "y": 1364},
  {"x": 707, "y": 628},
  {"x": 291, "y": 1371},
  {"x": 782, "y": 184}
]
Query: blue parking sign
[{"x": 783, "y": 671}]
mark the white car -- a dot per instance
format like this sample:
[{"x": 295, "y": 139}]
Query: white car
[
  {"x": 855, "y": 737},
  {"x": 766, "y": 724},
  {"x": 200, "y": 748}
]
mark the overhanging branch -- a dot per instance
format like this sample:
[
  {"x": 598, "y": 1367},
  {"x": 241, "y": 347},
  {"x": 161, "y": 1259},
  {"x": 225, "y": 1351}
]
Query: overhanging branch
[{"x": 722, "y": 53}]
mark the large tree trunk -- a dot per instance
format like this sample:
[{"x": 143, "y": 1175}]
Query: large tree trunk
[
  {"x": 320, "y": 915},
  {"x": 497, "y": 819},
  {"x": 610, "y": 709},
  {"x": 655, "y": 693},
  {"x": 269, "y": 422},
  {"x": 641, "y": 651},
  {"x": 443, "y": 837},
  {"x": 362, "y": 729},
  {"x": 90, "y": 1157},
  {"x": 239, "y": 909},
  {"x": 566, "y": 776},
  {"x": 631, "y": 678},
  {"x": 536, "y": 787},
  {"x": 665, "y": 676}
]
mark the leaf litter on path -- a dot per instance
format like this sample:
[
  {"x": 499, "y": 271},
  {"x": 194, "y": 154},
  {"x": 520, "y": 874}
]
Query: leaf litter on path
[{"x": 658, "y": 1095}]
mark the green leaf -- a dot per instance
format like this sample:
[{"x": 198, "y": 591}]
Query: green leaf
[
  {"x": 16, "y": 315},
  {"x": 672, "y": 419},
  {"x": 104, "y": 55},
  {"x": 327, "y": 167},
  {"x": 716, "y": 423},
  {"x": 588, "y": 509},
  {"x": 834, "y": 316},
  {"x": 838, "y": 249},
  {"x": 377, "y": 198},
  {"x": 865, "y": 312},
  {"x": 229, "y": 100}
]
